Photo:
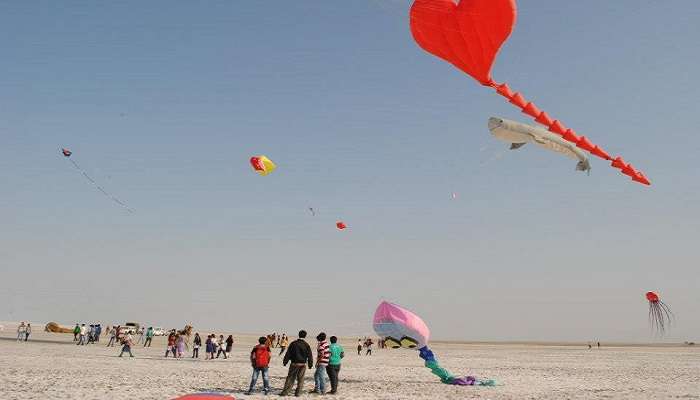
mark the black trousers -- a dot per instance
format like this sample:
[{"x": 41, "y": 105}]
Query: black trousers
[{"x": 333, "y": 372}]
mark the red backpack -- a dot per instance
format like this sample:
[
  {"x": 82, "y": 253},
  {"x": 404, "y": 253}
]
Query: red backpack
[{"x": 262, "y": 356}]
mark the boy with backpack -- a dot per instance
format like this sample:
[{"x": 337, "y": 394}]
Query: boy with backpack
[{"x": 260, "y": 360}]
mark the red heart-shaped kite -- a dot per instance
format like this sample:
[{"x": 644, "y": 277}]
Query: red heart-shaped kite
[{"x": 468, "y": 34}]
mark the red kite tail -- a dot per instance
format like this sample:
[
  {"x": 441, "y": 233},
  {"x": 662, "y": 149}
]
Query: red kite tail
[{"x": 555, "y": 126}]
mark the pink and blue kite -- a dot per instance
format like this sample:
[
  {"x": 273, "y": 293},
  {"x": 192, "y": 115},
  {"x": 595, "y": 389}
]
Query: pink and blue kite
[{"x": 402, "y": 328}]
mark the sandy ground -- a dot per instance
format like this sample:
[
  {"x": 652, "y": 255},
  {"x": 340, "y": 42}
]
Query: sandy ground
[{"x": 51, "y": 366}]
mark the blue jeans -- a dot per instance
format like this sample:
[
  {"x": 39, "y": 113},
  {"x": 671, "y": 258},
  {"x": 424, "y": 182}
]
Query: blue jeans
[
  {"x": 254, "y": 379},
  {"x": 126, "y": 349},
  {"x": 320, "y": 379}
]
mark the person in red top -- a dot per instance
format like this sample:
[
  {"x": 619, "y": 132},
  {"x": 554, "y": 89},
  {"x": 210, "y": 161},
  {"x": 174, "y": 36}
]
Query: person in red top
[
  {"x": 260, "y": 360},
  {"x": 171, "y": 345}
]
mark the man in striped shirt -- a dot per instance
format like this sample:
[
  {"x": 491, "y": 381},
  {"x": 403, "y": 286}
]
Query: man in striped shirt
[{"x": 323, "y": 355}]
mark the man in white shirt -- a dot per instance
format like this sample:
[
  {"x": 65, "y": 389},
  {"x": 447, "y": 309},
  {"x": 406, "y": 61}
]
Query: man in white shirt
[
  {"x": 83, "y": 331},
  {"x": 21, "y": 329}
]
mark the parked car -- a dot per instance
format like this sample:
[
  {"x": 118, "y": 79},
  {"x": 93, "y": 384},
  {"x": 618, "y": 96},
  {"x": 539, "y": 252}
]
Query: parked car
[
  {"x": 158, "y": 331},
  {"x": 130, "y": 327}
]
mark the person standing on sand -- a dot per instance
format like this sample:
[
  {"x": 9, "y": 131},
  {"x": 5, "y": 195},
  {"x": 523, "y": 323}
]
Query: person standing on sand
[
  {"x": 112, "y": 337},
  {"x": 214, "y": 347},
  {"x": 260, "y": 360},
  {"x": 284, "y": 343},
  {"x": 83, "y": 332},
  {"x": 170, "y": 346},
  {"x": 149, "y": 337},
  {"x": 359, "y": 347},
  {"x": 126, "y": 345},
  {"x": 98, "y": 332},
  {"x": 369, "y": 344},
  {"x": 180, "y": 343},
  {"x": 333, "y": 368},
  {"x": 220, "y": 344},
  {"x": 299, "y": 353},
  {"x": 76, "y": 331},
  {"x": 91, "y": 334},
  {"x": 322, "y": 356},
  {"x": 196, "y": 344},
  {"x": 141, "y": 331},
  {"x": 27, "y": 331},
  {"x": 208, "y": 347},
  {"x": 229, "y": 344},
  {"x": 21, "y": 329}
]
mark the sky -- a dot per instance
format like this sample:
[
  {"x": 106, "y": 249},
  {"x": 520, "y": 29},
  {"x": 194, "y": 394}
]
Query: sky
[{"x": 164, "y": 102}]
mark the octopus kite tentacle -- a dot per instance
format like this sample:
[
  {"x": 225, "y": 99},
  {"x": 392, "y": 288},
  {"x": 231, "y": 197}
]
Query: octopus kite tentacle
[{"x": 660, "y": 315}]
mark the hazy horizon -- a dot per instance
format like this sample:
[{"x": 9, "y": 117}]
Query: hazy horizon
[{"x": 163, "y": 103}]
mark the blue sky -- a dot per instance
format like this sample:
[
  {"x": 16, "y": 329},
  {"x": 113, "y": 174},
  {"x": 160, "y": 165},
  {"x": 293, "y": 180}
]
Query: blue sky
[{"x": 164, "y": 103}]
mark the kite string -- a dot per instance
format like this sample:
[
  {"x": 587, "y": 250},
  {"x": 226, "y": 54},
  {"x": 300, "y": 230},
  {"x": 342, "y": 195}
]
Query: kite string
[
  {"x": 494, "y": 156},
  {"x": 100, "y": 188}
]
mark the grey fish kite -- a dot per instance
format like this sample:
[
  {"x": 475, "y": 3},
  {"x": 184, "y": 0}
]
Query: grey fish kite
[{"x": 518, "y": 134}]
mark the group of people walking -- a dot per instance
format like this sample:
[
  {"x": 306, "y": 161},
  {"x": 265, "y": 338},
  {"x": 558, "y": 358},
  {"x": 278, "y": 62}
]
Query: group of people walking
[
  {"x": 176, "y": 344},
  {"x": 23, "y": 331},
  {"x": 299, "y": 356},
  {"x": 212, "y": 345},
  {"x": 87, "y": 335},
  {"x": 274, "y": 340},
  {"x": 365, "y": 344}
]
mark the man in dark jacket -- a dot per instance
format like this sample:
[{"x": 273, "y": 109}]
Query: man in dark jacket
[{"x": 299, "y": 354}]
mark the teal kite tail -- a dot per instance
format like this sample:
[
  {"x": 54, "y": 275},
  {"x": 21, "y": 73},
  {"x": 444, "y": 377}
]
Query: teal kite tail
[{"x": 445, "y": 375}]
